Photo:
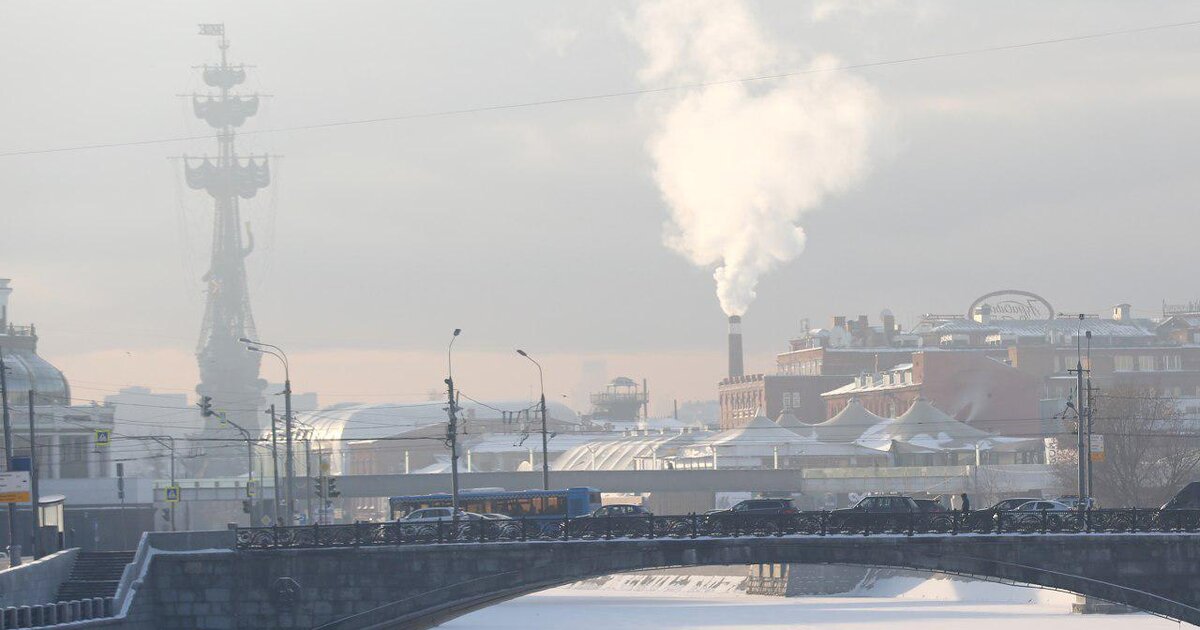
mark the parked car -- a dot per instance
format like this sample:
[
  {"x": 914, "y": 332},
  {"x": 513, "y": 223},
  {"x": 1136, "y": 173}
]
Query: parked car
[{"x": 879, "y": 512}]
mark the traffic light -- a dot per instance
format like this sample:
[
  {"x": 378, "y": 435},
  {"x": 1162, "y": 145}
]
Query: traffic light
[
  {"x": 319, "y": 486},
  {"x": 205, "y": 406},
  {"x": 331, "y": 489},
  {"x": 166, "y": 514},
  {"x": 247, "y": 504}
]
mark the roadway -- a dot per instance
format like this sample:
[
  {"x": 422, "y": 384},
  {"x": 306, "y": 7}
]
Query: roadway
[{"x": 934, "y": 479}]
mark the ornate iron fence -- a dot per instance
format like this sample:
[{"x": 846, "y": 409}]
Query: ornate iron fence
[{"x": 721, "y": 525}]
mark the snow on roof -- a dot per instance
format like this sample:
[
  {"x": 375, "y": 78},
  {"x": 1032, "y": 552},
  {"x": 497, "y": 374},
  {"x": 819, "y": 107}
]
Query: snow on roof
[
  {"x": 925, "y": 428},
  {"x": 847, "y": 425},
  {"x": 357, "y": 421},
  {"x": 620, "y": 453},
  {"x": 789, "y": 421},
  {"x": 1040, "y": 328}
]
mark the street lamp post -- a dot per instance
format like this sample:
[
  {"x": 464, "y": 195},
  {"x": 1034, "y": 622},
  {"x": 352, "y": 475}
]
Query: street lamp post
[
  {"x": 452, "y": 429},
  {"x": 289, "y": 470},
  {"x": 545, "y": 439}
]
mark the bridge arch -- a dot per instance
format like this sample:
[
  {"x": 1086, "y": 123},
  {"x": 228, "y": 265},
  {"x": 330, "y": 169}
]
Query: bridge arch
[{"x": 1156, "y": 573}]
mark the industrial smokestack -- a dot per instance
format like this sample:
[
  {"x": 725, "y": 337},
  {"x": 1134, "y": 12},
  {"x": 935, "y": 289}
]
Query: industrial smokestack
[{"x": 736, "y": 369}]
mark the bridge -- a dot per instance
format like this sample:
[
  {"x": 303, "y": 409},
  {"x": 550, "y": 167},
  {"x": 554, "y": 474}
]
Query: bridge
[{"x": 389, "y": 575}]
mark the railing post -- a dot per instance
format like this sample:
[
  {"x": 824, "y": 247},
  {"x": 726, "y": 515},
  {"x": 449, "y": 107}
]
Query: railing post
[
  {"x": 566, "y": 528},
  {"x": 823, "y": 521},
  {"x": 440, "y": 538},
  {"x": 1087, "y": 520},
  {"x": 695, "y": 525},
  {"x": 316, "y": 534},
  {"x": 608, "y": 527},
  {"x": 524, "y": 533},
  {"x": 651, "y": 533},
  {"x": 955, "y": 523},
  {"x": 911, "y": 523},
  {"x": 1043, "y": 520}
]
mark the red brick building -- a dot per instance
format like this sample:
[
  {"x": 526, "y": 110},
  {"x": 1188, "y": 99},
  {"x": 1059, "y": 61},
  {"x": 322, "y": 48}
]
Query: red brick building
[{"x": 972, "y": 387}]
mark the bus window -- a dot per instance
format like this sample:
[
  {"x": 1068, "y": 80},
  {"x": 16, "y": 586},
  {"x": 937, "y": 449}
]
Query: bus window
[{"x": 555, "y": 505}]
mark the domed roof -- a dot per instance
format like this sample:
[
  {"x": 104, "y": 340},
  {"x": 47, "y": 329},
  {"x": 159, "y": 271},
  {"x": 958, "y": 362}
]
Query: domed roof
[{"x": 27, "y": 370}]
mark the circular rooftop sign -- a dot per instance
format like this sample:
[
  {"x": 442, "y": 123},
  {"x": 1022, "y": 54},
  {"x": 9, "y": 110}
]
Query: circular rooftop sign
[{"x": 1011, "y": 304}]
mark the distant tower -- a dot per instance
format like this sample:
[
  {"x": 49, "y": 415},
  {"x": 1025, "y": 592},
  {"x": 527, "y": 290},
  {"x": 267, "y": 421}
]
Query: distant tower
[{"x": 228, "y": 372}]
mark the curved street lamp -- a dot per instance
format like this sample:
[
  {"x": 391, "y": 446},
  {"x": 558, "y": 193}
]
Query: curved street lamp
[
  {"x": 545, "y": 443},
  {"x": 278, "y": 353}
]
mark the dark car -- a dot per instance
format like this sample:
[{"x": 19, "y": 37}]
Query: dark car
[
  {"x": 758, "y": 507},
  {"x": 1186, "y": 499},
  {"x": 929, "y": 505},
  {"x": 752, "y": 516},
  {"x": 879, "y": 512},
  {"x": 613, "y": 520},
  {"x": 621, "y": 510}
]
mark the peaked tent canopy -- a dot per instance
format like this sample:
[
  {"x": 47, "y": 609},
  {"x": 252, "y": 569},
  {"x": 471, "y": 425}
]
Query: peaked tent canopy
[
  {"x": 848, "y": 425},
  {"x": 790, "y": 422}
]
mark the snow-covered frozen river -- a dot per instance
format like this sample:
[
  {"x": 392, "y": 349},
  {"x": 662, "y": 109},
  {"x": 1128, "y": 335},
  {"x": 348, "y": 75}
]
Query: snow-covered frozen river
[{"x": 616, "y": 610}]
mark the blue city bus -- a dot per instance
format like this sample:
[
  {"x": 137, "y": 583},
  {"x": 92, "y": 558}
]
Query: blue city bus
[{"x": 530, "y": 504}]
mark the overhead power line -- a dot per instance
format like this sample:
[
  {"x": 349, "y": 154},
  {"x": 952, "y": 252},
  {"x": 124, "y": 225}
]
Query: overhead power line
[{"x": 608, "y": 95}]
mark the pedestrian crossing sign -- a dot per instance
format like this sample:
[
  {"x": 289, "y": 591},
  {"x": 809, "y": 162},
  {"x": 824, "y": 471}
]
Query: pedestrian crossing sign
[
  {"x": 172, "y": 494},
  {"x": 103, "y": 437}
]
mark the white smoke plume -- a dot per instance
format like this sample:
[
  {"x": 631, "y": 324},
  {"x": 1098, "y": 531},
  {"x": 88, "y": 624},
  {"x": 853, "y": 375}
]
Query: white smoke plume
[{"x": 739, "y": 163}]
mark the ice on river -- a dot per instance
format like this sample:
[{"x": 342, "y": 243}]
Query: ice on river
[{"x": 907, "y": 603}]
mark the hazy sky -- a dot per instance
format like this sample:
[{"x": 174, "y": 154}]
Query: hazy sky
[{"x": 1066, "y": 169}]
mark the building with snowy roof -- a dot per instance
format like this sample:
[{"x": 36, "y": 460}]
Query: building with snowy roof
[{"x": 763, "y": 443}]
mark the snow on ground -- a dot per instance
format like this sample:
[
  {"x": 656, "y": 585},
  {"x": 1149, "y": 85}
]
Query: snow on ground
[{"x": 620, "y": 610}]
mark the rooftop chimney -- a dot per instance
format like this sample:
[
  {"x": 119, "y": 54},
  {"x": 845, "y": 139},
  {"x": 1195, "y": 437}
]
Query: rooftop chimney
[
  {"x": 736, "y": 369},
  {"x": 1121, "y": 312},
  {"x": 5, "y": 291}
]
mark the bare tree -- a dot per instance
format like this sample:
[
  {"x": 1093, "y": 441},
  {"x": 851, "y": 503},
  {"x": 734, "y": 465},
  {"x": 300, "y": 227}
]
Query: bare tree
[{"x": 1149, "y": 451}]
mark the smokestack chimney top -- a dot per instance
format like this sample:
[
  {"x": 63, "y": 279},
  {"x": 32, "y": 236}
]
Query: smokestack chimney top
[{"x": 736, "y": 366}]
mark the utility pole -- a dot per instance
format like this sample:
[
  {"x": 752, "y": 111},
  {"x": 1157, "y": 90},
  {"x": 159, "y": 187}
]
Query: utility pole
[
  {"x": 33, "y": 480},
  {"x": 274, "y": 467},
  {"x": 452, "y": 428},
  {"x": 1088, "y": 415},
  {"x": 1081, "y": 448},
  {"x": 308, "y": 472},
  {"x": 14, "y": 550},
  {"x": 289, "y": 470}
]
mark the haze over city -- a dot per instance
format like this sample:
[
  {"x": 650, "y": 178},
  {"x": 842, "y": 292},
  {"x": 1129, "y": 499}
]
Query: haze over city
[
  {"x": 616, "y": 314},
  {"x": 544, "y": 227}
]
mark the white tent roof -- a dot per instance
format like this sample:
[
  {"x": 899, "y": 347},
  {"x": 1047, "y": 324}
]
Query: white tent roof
[
  {"x": 925, "y": 428},
  {"x": 848, "y": 425},
  {"x": 763, "y": 438},
  {"x": 790, "y": 422}
]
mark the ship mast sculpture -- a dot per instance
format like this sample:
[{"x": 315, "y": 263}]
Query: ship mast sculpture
[{"x": 228, "y": 372}]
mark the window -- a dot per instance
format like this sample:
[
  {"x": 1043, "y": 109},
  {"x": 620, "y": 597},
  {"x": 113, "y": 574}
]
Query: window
[
  {"x": 1123, "y": 363},
  {"x": 1146, "y": 363},
  {"x": 1171, "y": 362}
]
